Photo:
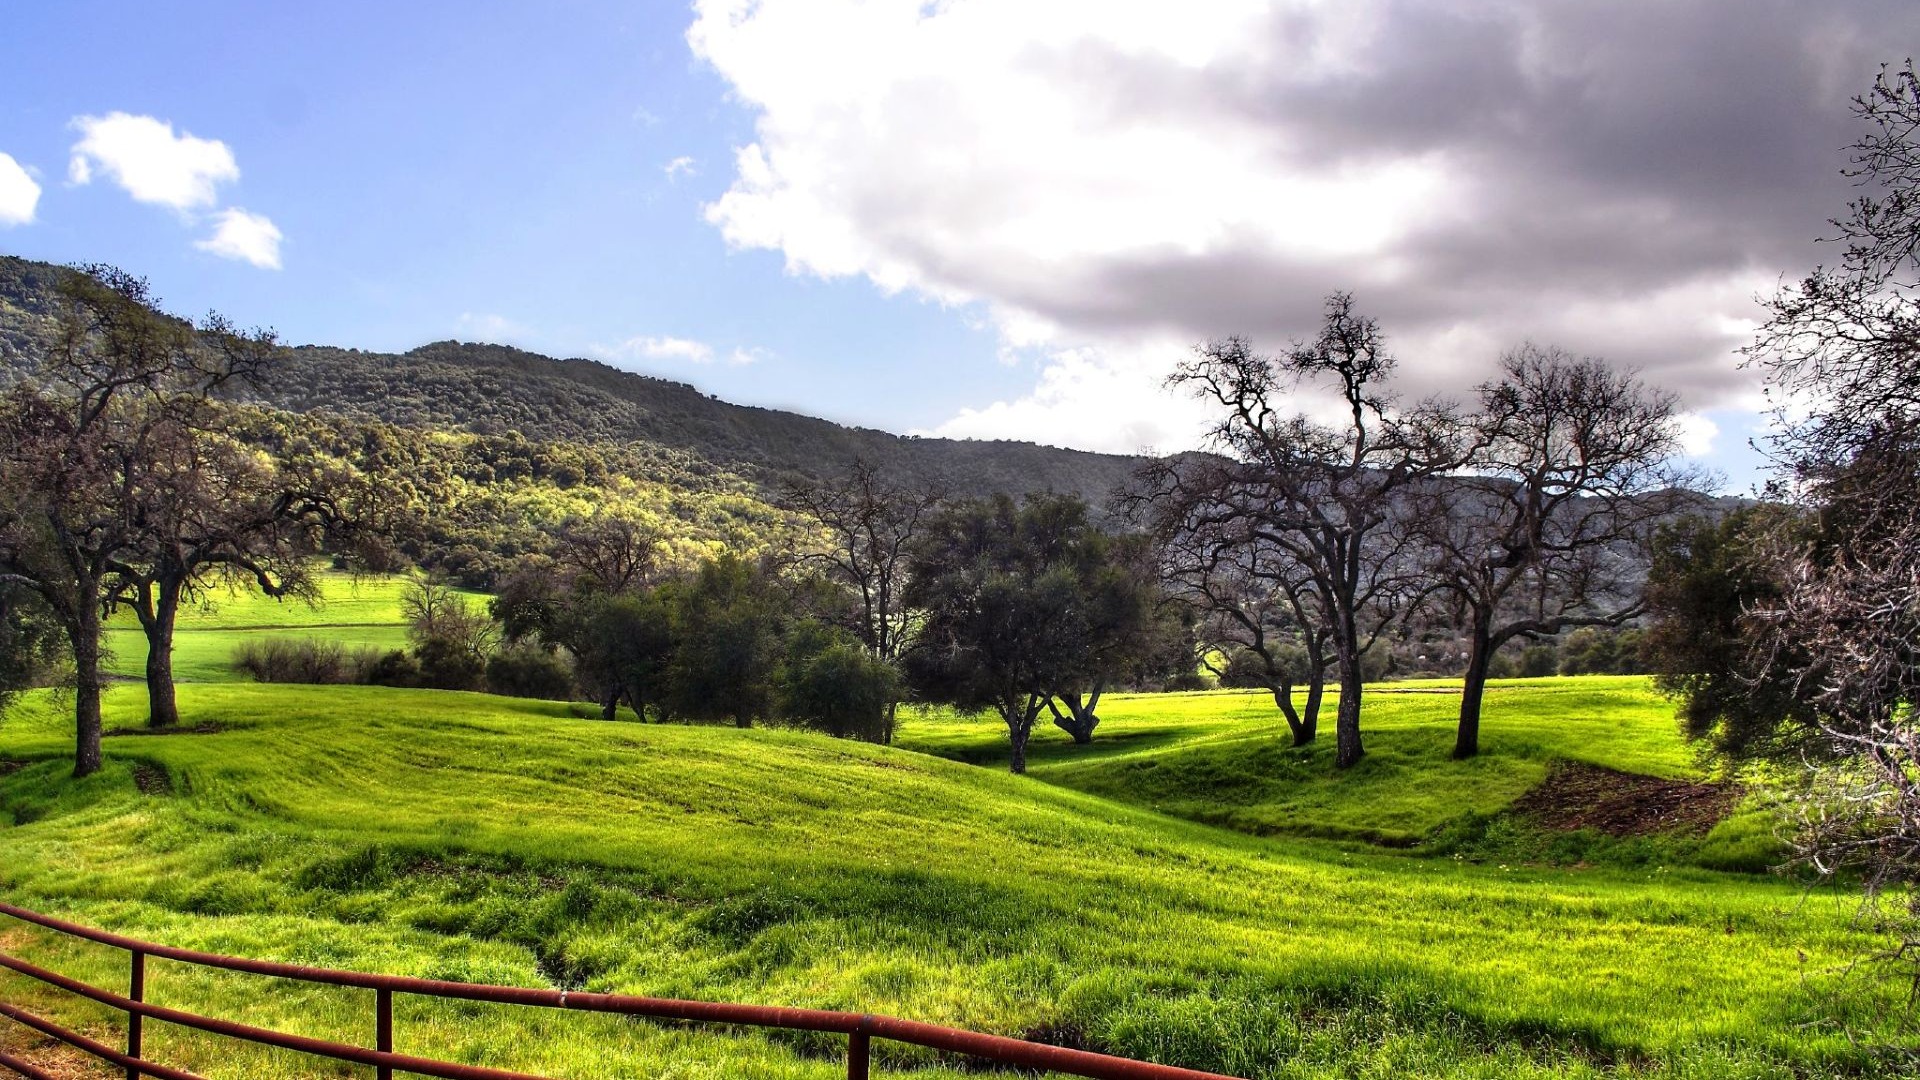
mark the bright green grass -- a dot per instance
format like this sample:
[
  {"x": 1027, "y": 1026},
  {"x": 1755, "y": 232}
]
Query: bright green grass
[
  {"x": 355, "y": 610},
  {"x": 483, "y": 838},
  {"x": 1225, "y": 757}
]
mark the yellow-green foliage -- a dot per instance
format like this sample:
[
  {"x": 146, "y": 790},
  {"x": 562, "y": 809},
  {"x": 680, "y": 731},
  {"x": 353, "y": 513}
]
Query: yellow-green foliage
[{"x": 471, "y": 837}]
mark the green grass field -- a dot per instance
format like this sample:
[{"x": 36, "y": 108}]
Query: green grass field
[
  {"x": 474, "y": 837},
  {"x": 356, "y": 610},
  {"x": 1225, "y": 757}
]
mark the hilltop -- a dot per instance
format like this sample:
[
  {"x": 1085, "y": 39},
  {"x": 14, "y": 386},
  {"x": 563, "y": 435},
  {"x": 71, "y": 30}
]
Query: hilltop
[{"x": 493, "y": 389}]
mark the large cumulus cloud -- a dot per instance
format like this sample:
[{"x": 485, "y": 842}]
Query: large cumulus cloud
[{"x": 1113, "y": 181}]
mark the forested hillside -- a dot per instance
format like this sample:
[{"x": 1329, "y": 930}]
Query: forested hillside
[{"x": 494, "y": 389}]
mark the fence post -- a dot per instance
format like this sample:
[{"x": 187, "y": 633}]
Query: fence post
[
  {"x": 383, "y": 1028},
  {"x": 137, "y": 990},
  {"x": 857, "y": 1056}
]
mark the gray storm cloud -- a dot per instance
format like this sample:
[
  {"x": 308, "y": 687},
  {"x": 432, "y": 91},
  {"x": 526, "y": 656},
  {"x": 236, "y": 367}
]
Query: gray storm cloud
[{"x": 1616, "y": 178}]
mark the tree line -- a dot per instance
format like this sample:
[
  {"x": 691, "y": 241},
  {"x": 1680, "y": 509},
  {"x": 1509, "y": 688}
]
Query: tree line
[{"x": 134, "y": 481}]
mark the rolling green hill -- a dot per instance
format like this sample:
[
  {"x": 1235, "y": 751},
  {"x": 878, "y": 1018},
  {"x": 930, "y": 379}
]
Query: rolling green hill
[
  {"x": 484, "y": 838},
  {"x": 1225, "y": 758}
]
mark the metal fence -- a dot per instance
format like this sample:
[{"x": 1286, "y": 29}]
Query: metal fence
[{"x": 859, "y": 1028}]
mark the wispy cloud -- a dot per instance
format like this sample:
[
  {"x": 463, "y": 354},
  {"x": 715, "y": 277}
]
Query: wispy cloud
[
  {"x": 657, "y": 348},
  {"x": 679, "y": 167}
]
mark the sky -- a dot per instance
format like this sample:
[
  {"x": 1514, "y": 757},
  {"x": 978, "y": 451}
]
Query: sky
[{"x": 972, "y": 218}]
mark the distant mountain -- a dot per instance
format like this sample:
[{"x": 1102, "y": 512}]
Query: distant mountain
[{"x": 494, "y": 388}]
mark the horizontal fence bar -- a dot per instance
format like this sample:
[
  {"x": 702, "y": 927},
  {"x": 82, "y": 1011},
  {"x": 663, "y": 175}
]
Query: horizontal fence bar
[
  {"x": 445, "y": 1070},
  {"x": 856, "y": 1026},
  {"x": 24, "y": 1067},
  {"x": 98, "y": 1049}
]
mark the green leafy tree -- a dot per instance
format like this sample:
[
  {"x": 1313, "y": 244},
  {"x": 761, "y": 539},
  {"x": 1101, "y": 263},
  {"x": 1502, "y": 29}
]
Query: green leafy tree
[
  {"x": 727, "y": 623},
  {"x": 1021, "y": 606},
  {"x": 832, "y": 683}
]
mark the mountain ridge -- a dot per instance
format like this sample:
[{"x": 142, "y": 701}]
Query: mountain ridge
[{"x": 491, "y": 389}]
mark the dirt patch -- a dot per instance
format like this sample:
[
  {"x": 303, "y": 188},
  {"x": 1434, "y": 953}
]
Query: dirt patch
[
  {"x": 1576, "y": 796},
  {"x": 8, "y": 767},
  {"x": 197, "y": 729},
  {"x": 152, "y": 779}
]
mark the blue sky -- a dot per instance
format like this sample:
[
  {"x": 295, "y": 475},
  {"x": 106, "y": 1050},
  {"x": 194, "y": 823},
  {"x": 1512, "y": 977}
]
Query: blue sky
[
  {"x": 981, "y": 218},
  {"x": 479, "y": 171}
]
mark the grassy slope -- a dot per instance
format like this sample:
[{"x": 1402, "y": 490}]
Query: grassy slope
[
  {"x": 1224, "y": 757},
  {"x": 354, "y": 610},
  {"x": 475, "y": 837}
]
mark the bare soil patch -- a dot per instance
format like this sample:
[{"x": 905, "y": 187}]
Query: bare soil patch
[
  {"x": 1577, "y": 796},
  {"x": 152, "y": 779}
]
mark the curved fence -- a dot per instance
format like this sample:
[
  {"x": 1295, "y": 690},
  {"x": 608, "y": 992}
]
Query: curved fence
[{"x": 859, "y": 1028}]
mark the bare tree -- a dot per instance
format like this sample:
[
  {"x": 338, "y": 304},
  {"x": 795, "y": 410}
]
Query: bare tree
[
  {"x": 208, "y": 509},
  {"x": 1332, "y": 494},
  {"x": 1843, "y": 349},
  {"x": 1253, "y": 597},
  {"x": 869, "y": 524},
  {"x": 77, "y": 440},
  {"x": 1568, "y": 477}
]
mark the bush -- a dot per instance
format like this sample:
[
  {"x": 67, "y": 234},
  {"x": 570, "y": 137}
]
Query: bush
[
  {"x": 396, "y": 668},
  {"x": 448, "y": 664},
  {"x": 838, "y": 688},
  {"x": 529, "y": 671},
  {"x": 303, "y": 660}
]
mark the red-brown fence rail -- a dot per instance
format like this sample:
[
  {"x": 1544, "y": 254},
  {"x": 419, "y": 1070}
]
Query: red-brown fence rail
[{"x": 859, "y": 1028}]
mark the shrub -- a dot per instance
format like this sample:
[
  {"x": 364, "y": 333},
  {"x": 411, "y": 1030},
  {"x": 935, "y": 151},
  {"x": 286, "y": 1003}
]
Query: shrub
[
  {"x": 447, "y": 664},
  {"x": 529, "y": 671},
  {"x": 396, "y": 668},
  {"x": 303, "y": 660}
]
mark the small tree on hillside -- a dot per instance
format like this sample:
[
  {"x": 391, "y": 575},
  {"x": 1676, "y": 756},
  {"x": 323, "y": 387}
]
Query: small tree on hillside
[
  {"x": 208, "y": 509},
  {"x": 1259, "y": 615},
  {"x": 727, "y": 622}
]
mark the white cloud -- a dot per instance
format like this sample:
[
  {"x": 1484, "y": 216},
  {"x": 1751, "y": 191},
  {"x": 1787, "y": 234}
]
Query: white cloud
[
  {"x": 1697, "y": 434},
  {"x": 741, "y": 357},
  {"x": 658, "y": 348},
  {"x": 1109, "y": 182},
  {"x": 679, "y": 167},
  {"x": 146, "y": 158},
  {"x": 19, "y": 193},
  {"x": 486, "y": 326},
  {"x": 247, "y": 237}
]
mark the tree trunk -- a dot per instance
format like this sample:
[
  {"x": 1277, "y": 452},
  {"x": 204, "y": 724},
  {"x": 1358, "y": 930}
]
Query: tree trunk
[
  {"x": 163, "y": 707},
  {"x": 1303, "y": 730},
  {"x": 1346, "y": 722},
  {"x": 610, "y": 706},
  {"x": 83, "y": 633},
  {"x": 893, "y": 718},
  {"x": 1079, "y": 719},
  {"x": 1466, "y": 742},
  {"x": 1019, "y": 718}
]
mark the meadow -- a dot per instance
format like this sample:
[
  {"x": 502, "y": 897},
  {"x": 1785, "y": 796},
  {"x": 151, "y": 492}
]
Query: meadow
[
  {"x": 355, "y": 610},
  {"x": 1188, "y": 889}
]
